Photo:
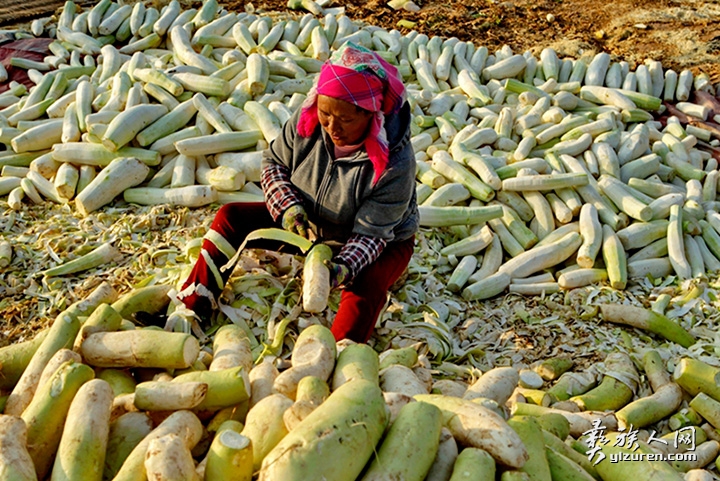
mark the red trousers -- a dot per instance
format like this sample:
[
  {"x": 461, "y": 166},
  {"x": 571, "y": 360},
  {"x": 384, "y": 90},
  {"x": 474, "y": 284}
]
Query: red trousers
[{"x": 360, "y": 302}]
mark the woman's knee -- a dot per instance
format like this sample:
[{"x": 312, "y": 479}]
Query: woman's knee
[
  {"x": 228, "y": 218},
  {"x": 225, "y": 213},
  {"x": 222, "y": 218}
]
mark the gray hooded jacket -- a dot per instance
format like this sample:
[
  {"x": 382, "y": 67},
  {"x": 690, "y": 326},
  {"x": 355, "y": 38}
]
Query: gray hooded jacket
[{"x": 339, "y": 195}]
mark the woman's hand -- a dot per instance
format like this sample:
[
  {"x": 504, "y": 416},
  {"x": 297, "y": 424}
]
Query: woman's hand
[
  {"x": 295, "y": 220},
  {"x": 339, "y": 273}
]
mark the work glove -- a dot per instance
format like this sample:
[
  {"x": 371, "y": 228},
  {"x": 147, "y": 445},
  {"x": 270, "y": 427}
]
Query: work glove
[
  {"x": 295, "y": 220},
  {"x": 339, "y": 273}
]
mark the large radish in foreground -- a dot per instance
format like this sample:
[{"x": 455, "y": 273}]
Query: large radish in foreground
[{"x": 335, "y": 441}]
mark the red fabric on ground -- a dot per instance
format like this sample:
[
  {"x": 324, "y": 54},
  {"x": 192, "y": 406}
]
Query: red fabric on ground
[{"x": 29, "y": 48}]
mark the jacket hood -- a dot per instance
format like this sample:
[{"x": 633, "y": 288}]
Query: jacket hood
[{"x": 396, "y": 128}]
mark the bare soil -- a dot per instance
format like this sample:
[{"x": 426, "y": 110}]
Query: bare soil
[{"x": 14, "y": 11}]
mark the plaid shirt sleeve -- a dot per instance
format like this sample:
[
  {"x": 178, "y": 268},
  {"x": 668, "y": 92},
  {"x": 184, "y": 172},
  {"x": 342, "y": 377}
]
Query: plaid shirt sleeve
[
  {"x": 279, "y": 191},
  {"x": 360, "y": 251}
]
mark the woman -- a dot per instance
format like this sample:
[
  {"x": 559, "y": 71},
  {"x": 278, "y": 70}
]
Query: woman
[{"x": 344, "y": 168}]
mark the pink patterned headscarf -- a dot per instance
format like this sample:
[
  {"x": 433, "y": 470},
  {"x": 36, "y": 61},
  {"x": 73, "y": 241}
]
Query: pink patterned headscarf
[{"x": 361, "y": 77}]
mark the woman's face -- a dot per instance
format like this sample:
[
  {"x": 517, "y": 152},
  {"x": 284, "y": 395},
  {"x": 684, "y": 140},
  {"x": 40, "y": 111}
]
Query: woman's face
[{"x": 344, "y": 122}]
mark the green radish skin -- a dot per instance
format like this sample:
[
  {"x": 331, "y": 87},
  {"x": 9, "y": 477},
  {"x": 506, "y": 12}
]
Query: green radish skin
[
  {"x": 312, "y": 389},
  {"x": 60, "y": 358},
  {"x": 647, "y": 320},
  {"x": 638, "y": 470},
  {"x": 230, "y": 455},
  {"x": 554, "y": 443},
  {"x": 60, "y": 336},
  {"x": 125, "y": 433},
  {"x": 610, "y": 394},
  {"x": 169, "y": 396},
  {"x": 15, "y": 358},
  {"x": 104, "y": 318},
  {"x": 335, "y": 441},
  {"x": 231, "y": 348},
  {"x": 696, "y": 376},
  {"x": 563, "y": 468},
  {"x": 472, "y": 464},
  {"x": 530, "y": 432},
  {"x": 129, "y": 123},
  {"x": 555, "y": 423},
  {"x": 651, "y": 409},
  {"x": 357, "y": 361},
  {"x": 615, "y": 258},
  {"x": 121, "y": 381},
  {"x": 225, "y": 388},
  {"x": 81, "y": 453},
  {"x": 46, "y": 414},
  {"x": 410, "y": 446}
]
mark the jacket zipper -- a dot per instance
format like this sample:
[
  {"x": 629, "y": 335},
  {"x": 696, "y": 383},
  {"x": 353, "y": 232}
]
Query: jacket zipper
[{"x": 324, "y": 187}]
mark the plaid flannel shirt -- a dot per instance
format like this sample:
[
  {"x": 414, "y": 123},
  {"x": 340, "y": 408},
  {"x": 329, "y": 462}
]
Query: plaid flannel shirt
[{"x": 358, "y": 252}]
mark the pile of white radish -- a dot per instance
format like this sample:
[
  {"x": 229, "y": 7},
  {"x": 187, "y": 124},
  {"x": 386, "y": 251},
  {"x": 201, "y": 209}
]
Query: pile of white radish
[
  {"x": 96, "y": 397},
  {"x": 553, "y": 173},
  {"x": 539, "y": 174}
]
